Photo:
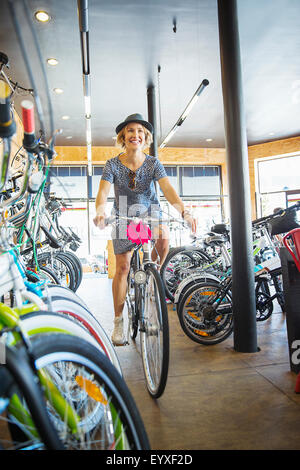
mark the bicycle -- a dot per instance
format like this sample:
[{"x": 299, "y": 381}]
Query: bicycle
[
  {"x": 146, "y": 305},
  {"x": 205, "y": 307}
]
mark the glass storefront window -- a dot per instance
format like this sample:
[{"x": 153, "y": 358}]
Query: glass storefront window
[
  {"x": 200, "y": 181},
  {"x": 279, "y": 174},
  {"x": 68, "y": 182}
]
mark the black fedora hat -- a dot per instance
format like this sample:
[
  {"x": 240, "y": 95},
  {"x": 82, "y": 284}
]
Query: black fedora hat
[{"x": 135, "y": 118}]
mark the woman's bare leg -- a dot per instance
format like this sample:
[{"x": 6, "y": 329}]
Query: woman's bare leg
[
  {"x": 119, "y": 284},
  {"x": 161, "y": 247}
]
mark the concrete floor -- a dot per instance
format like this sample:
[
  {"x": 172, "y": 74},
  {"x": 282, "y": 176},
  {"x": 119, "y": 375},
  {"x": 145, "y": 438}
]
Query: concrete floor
[{"x": 215, "y": 398}]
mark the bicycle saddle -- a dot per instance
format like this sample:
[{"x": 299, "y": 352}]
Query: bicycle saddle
[{"x": 53, "y": 242}]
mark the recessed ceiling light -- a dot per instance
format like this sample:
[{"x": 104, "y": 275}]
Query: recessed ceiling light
[
  {"x": 65, "y": 118},
  {"x": 42, "y": 16},
  {"x": 58, "y": 91},
  {"x": 271, "y": 133},
  {"x": 208, "y": 140},
  {"x": 52, "y": 61},
  {"x": 69, "y": 137}
]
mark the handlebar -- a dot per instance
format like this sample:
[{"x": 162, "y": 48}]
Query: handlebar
[
  {"x": 144, "y": 219},
  {"x": 278, "y": 214}
]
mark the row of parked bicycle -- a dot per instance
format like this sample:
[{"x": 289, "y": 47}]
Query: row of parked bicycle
[
  {"x": 61, "y": 384},
  {"x": 198, "y": 278}
]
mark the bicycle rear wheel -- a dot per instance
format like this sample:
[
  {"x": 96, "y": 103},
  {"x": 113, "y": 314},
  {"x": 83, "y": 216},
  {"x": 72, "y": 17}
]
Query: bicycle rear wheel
[
  {"x": 106, "y": 415},
  {"x": 155, "y": 334},
  {"x": 201, "y": 321}
]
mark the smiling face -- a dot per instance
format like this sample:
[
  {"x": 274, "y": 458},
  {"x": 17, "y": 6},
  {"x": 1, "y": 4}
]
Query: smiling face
[{"x": 134, "y": 136}]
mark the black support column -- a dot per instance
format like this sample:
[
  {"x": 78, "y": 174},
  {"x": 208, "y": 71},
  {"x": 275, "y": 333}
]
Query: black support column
[
  {"x": 151, "y": 99},
  {"x": 243, "y": 291}
]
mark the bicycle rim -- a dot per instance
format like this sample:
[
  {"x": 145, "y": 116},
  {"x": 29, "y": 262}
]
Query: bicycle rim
[{"x": 155, "y": 335}]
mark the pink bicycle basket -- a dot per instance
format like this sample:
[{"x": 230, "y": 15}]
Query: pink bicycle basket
[{"x": 138, "y": 233}]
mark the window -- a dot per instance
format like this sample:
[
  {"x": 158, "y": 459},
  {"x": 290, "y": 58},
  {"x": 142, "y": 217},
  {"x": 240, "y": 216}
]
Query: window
[
  {"x": 280, "y": 174},
  {"x": 68, "y": 182},
  {"x": 199, "y": 187},
  {"x": 200, "y": 181},
  {"x": 276, "y": 179}
]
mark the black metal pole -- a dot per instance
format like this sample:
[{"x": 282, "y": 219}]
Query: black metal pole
[
  {"x": 243, "y": 289},
  {"x": 151, "y": 98}
]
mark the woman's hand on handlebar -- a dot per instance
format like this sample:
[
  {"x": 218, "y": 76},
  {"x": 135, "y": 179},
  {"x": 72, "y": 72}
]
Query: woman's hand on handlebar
[
  {"x": 191, "y": 221},
  {"x": 99, "y": 221}
]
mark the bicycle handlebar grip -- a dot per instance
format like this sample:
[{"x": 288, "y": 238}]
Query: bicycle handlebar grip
[
  {"x": 7, "y": 122},
  {"x": 29, "y": 142}
]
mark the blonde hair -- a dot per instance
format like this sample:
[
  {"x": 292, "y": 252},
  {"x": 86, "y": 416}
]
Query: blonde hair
[{"x": 120, "y": 141}]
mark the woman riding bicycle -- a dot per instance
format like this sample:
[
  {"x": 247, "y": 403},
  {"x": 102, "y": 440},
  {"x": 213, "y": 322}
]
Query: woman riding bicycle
[{"x": 133, "y": 174}]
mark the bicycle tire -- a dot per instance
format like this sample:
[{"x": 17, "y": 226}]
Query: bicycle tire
[
  {"x": 132, "y": 305},
  {"x": 264, "y": 303},
  {"x": 196, "y": 323},
  {"x": 171, "y": 279},
  {"x": 76, "y": 266},
  {"x": 66, "y": 275},
  {"x": 61, "y": 291},
  {"x": 18, "y": 380},
  {"x": 39, "y": 322},
  {"x": 155, "y": 334},
  {"x": 115, "y": 400},
  {"x": 264, "y": 306},
  {"x": 80, "y": 313},
  {"x": 71, "y": 270}
]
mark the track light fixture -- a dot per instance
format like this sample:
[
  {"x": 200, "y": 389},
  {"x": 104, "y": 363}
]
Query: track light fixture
[
  {"x": 84, "y": 39},
  {"x": 187, "y": 110}
]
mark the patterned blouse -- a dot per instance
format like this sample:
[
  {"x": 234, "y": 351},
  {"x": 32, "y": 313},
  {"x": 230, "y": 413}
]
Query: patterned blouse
[
  {"x": 143, "y": 197},
  {"x": 141, "y": 200}
]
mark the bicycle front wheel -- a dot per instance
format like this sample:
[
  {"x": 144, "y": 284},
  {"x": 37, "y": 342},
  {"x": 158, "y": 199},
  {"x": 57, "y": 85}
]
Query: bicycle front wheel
[
  {"x": 99, "y": 412},
  {"x": 155, "y": 334}
]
